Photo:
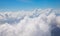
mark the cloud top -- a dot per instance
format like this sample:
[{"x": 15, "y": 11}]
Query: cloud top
[{"x": 37, "y": 22}]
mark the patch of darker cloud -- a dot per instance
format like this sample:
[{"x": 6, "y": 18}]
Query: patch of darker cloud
[
  {"x": 55, "y": 31},
  {"x": 58, "y": 14},
  {"x": 34, "y": 15},
  {"x": 13, "y": 20},
  {"x": 10, "y": 20}
]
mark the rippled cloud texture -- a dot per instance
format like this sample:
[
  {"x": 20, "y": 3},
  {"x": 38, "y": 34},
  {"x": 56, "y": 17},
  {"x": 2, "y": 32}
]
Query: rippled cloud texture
[{"x": 38, "y": 22}]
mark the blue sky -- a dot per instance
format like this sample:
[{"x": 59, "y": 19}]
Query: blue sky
[{"x": 28, "y": 4}]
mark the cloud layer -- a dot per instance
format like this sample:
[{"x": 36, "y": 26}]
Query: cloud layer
[{"x": 38, "y": 22}]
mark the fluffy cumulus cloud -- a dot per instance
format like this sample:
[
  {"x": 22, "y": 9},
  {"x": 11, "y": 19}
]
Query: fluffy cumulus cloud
[{"x": 38, "y": 22}]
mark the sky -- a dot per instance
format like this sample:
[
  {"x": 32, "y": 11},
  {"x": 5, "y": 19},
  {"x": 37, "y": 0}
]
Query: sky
[
  {"x": 28, "y": 4},
  {"x": 37, "y": 22}
]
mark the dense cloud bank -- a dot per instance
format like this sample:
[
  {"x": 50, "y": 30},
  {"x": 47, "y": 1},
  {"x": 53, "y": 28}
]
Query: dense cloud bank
[{"x": 38, "y": 22}]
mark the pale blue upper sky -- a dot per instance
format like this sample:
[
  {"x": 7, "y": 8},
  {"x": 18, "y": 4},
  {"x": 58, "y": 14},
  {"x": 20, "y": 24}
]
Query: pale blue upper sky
[{"x": 29, "y": 4}]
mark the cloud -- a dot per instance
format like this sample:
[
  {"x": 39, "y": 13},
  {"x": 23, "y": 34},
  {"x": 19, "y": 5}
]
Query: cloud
[
  {"x": 26, "y": 1},
  {"x": 38, "y": 22},
  {"x": 58, "y": 20}
]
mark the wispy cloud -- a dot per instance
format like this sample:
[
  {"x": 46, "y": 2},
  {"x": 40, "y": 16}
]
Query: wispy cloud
[{"x": 26, "y": 1}]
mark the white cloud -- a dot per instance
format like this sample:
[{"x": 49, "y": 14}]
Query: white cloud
[{"x": 28, "y": 23}]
